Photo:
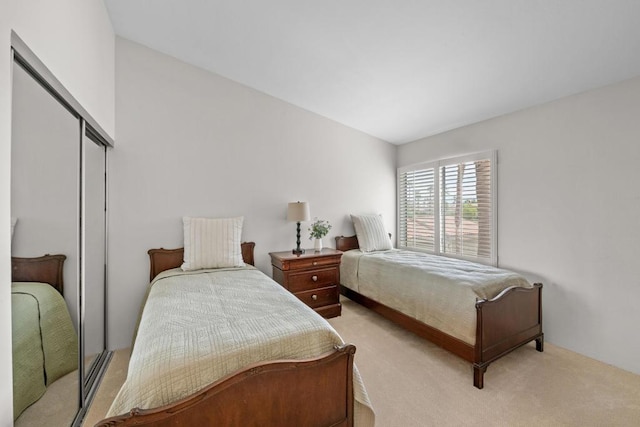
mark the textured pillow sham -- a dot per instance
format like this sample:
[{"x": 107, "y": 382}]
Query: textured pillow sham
[
  {"x": 371, "y": 233},
  {"x": 212, "y": 243}
]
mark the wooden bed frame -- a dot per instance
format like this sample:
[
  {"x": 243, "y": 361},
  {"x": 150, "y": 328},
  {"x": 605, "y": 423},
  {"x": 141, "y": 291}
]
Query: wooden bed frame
[
  {"x": 504, "y": 323},
  {"x": 312, "y": 392},
  {"x": 44, "y": 269}
]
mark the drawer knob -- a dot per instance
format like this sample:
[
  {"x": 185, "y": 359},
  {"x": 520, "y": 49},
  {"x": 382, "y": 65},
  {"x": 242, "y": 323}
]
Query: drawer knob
[
  {"x": 314, "y": 297},
  {"x": 315, "y": 262},
  {"x": 314, "y": 278}
]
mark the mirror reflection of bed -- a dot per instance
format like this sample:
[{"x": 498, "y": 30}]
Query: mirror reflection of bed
[{"x": 44, "y": 340}]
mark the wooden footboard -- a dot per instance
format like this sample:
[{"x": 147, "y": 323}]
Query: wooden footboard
[
  {"x": 314, "y": 392},
  {"x": 510, "y": 320}
]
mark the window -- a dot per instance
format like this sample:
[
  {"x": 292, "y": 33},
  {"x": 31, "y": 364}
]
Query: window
[{"x": 448, "y": 207}]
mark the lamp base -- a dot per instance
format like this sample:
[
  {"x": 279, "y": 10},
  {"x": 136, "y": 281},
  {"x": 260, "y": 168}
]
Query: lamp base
[{"x": 298, "y": 250}]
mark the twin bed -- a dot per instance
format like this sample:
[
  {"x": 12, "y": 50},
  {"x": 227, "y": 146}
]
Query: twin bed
[
  {"x": 44, "y": 341},
  {"x": 477, "y": 312},
  {"x": 229, "y": 346}
]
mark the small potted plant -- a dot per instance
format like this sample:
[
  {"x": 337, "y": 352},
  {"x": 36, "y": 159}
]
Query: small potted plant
[{"x": 318, "y": 230}]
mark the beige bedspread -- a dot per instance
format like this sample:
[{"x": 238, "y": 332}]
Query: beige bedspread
[
  {"x": 436, "y": 290},
  {"x": 197, "y": 327}
]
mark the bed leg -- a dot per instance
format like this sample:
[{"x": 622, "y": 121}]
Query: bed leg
[
  {"x": 540, "y": 343},
  {"x": 478, "y": 375}
]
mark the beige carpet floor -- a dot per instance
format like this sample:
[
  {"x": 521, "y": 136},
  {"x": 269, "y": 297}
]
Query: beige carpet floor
[
  {"x": 59, "y": 404},
  {"x": 411, "y": 382},
  {"x": 57, "y": 407},
  {"x": 111, "y": 382}
]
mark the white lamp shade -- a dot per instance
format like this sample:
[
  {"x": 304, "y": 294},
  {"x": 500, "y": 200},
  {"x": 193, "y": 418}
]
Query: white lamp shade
[{"x": 298, "y": 212}]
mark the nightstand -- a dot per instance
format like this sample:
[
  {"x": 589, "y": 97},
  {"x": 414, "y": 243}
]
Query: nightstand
[{"x": 313, "y": 277}]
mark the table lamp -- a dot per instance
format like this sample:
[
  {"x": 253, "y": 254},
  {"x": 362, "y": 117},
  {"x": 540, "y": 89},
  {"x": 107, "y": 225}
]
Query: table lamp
[{"x": 298, "y": 212}]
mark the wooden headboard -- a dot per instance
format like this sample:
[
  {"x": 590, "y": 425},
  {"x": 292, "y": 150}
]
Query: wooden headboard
[
  {"x": 347, "y": 243},
  {"x": 44, "y": 269},
  {"x": 165, "y": 259}
]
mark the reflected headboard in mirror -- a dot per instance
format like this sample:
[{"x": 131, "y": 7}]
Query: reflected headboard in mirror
[{"x": 44, "y": 269}]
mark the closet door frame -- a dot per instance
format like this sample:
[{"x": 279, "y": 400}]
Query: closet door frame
[
  {"x": 89, "y": 129},
  {"x": 98, "y": 365}
]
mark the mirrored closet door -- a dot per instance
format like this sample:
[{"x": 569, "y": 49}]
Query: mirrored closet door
[
  {"x": 44, "y": 204},
  {"x": 59, "y": 241}
]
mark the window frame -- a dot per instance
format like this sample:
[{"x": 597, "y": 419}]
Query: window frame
[{"x": 492, "y": 156}]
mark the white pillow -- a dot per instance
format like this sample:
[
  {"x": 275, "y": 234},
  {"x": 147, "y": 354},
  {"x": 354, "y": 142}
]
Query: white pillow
[
  {"x": 212, "y": 243},
  {"x": 371, "y": 233}
]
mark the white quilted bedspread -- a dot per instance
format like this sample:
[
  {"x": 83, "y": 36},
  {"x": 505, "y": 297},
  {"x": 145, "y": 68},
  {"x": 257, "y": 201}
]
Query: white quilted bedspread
[
  {"x": 436, "y": 290},
  {"x": 197, "y": 327}
]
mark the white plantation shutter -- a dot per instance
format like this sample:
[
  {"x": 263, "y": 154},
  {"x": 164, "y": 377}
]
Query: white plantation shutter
[
  {"x": 486, "y": 196},
  {"x": 447, "y": 207},
  {"x": 416, "y": 208}
]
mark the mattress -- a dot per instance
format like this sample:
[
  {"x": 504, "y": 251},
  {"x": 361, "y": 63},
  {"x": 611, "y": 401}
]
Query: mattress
[
  {"x": 438, "y": 291},
  {"x": 197, "y": 327}
]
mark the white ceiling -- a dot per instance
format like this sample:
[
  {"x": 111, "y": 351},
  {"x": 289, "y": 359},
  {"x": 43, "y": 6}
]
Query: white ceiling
[{"x": 399, "y": 70}]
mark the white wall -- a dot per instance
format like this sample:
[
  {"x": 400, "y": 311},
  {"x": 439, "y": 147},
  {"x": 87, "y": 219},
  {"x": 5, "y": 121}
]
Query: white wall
[
  {"x": 568, "y": 211},
  {"x": 193, "y": 143},
  {"x": 74, "y": 38}
]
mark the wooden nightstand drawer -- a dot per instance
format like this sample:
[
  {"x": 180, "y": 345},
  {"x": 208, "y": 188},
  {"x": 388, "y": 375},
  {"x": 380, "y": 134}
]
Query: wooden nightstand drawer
[
  {"x": 319, "y": 297},
  {"x": 307, "y": 261},
  {"x": 312, "y": 279}
]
